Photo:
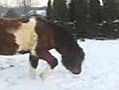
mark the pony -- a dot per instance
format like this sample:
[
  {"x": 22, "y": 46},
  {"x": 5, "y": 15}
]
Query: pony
[{"x": 36, "y": 37}]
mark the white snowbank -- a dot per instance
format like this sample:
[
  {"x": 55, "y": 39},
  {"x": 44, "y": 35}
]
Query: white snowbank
[{"x": 100, "y": 70}]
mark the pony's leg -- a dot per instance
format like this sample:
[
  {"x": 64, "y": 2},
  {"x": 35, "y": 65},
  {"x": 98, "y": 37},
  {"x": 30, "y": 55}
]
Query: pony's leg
[
  {"x": 51, "y": 60},
  {"x": 33, "y": 63}
]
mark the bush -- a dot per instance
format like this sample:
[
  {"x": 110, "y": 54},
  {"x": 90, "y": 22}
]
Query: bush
[{"x": 12, "y": 14}]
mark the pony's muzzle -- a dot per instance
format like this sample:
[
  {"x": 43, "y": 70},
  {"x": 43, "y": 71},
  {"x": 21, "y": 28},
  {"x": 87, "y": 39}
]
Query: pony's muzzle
[{"x": 76, "y": 71}]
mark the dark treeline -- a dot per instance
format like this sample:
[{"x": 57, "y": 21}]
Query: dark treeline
[{"x": 86, "y": 18}]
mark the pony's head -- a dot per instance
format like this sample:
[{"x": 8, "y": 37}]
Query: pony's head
[{"x": 73, "y": 61}]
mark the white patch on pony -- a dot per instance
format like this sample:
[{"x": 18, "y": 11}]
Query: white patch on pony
[
  {"x": 48, "y": 72},
  {"x": 26, "y": 36},
  {"x": 32, "y": 72},
  {"x": 32, "y": 19}
]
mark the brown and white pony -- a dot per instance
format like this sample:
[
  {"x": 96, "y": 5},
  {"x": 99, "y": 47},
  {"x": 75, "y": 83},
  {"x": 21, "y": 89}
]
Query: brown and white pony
[{"x": 37, "y": 37}]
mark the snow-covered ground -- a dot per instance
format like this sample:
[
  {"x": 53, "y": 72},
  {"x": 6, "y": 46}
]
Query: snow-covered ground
[{"x": 100, "y": 70}]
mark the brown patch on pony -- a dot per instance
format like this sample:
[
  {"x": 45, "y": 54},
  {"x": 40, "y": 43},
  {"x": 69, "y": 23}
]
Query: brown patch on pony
[
  {"x": 7, "y": 40},
  {"x": 45, "y": 35},
  {"x": 8, "y": 25},
  {"x": 7, "y": 44}
]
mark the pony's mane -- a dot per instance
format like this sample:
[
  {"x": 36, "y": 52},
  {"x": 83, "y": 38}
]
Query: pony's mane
[{"x": 52, "y": 24}]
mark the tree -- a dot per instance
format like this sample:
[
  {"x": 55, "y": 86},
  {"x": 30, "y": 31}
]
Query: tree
[
  {"x": 25, "y": 4},
  {"x": 80, "y": 9},
  {"x": 72, "y": 10},
  {"x": 94, "y": 11},
  {"x": 110, "y": 10},
  {"x": 117, "y": 7},
  {"x": 86, "y": 13},
  {"x": 49, "y": 11},
  {"x": 60, "y": 10},
  {"x": 81, "y": 16},
  {"x": 110, "y": 14}
]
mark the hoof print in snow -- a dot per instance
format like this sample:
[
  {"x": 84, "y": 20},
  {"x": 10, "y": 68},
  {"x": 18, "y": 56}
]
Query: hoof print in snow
[{"x": 11, "y": 66}]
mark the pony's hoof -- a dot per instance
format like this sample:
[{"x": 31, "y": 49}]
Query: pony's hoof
[
  {"x": 48, "y": 72},
  {"x": 32, "y": 76},
  {"x": 43, "y": 76}
]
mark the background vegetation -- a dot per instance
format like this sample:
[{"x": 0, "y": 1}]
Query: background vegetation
[
  {"x": 86, "y": 18},
  {"x": 83, "y": 18}
]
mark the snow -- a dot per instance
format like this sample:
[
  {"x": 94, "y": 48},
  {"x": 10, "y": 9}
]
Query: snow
[{"x": 100, "y": 70}]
